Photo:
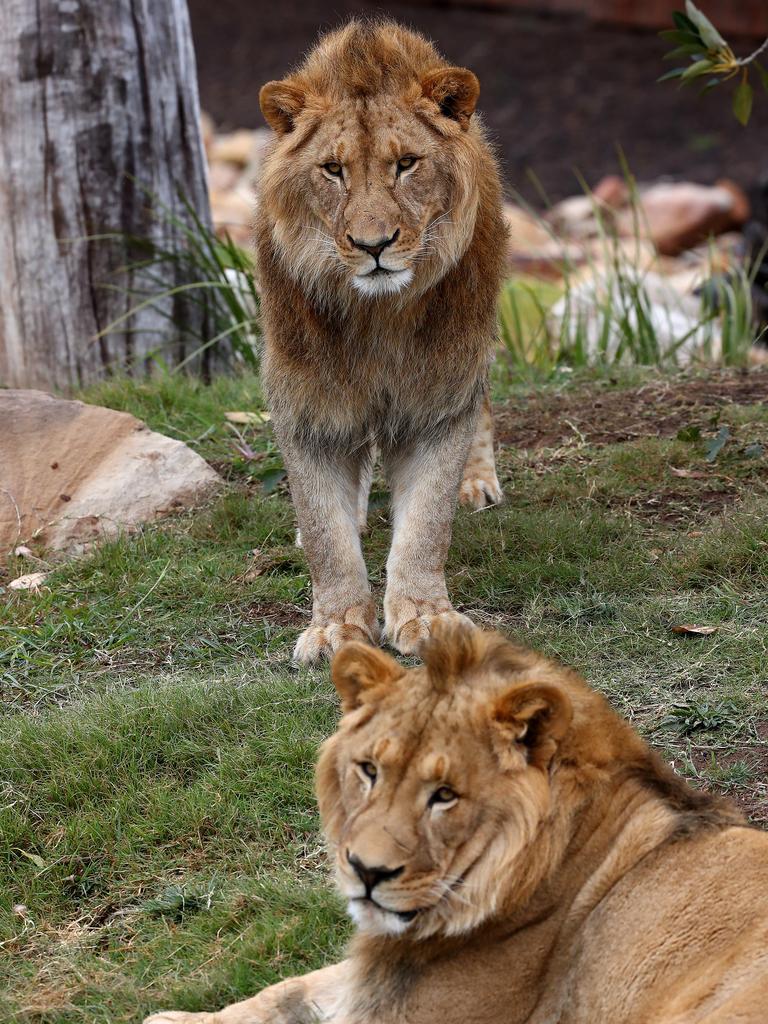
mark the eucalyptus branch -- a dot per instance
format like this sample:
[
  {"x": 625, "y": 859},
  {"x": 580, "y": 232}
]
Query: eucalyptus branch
[
  {"x": 753, "y": 56},
  {"x": 711, "y": 59}
]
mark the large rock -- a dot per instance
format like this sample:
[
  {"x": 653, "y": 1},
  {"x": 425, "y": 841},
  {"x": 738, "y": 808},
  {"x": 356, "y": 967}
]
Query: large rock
[
  {"x": 71, "y": 474},
  {"x": 601, "y": 314},
  {"x": 533, "y": 249},
  {"x": 674, "y": 216},
  {"x": 680, "y": 215}
]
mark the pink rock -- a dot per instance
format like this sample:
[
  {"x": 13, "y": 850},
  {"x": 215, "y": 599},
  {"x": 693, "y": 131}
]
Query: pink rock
[
  {"x": 679, "y": 216},
  {"x": 612, "y": 191},
  {"x": 71, "y": 473}
]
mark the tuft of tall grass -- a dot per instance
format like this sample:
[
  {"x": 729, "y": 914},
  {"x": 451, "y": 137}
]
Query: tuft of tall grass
[
  {"x": 617, "y": 309},
  {"x": 217, "y": 274}
]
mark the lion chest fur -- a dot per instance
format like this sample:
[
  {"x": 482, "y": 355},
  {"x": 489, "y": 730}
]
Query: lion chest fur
[
  {"x": 390, "y": 368},
  {"x": 683, "y": 931}
]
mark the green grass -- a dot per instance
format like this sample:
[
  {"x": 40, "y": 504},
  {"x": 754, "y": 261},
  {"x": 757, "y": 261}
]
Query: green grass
[{"x": 160, "y": 842}]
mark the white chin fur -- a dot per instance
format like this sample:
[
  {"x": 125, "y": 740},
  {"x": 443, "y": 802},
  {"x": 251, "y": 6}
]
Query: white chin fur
[
  {"x": 383, "y": 284},
  {"x": 375, "y": 921}
]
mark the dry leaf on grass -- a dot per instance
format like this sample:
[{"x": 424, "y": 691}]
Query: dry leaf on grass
[
  {"x": 247, "y": 418},
  {"x": 691, "y": 630},
  {"x": 689, "y": 474},
  {"x": 32, "y": 581},
  {"x": 36, "y": 859}
]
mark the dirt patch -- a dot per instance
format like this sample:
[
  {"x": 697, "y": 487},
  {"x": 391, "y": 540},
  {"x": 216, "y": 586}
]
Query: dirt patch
[
  {"x": 678, "y": 507},
  {"x": 752, "y": 795},
  {"x": 596, "y": 415},
  {"x": 276, "y": 613}
]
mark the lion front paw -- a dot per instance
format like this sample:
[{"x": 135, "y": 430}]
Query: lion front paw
[
  {"x": 179, "y": 1017},
  {"x": 480, "y": 489},
  {"x": 409, "y": 621},
  {"x": 328, "y": 633}
]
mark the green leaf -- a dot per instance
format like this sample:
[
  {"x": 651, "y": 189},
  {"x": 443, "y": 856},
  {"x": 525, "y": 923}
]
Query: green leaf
[
  {"x": 709, "y": 34},
  {"x": 689, "y": 50},
  {"x": 716, "y": 443},
  {"x": 762, "y": 73},
  {"x": 683, "y": 22},
  {"x": 742, "y": 102},
  {"x": 709, "y": 84},
  {"x": 674, "y": 73},
  {"x": 682, "y": 38},
  {"x": 271, "y": 480},
  {"x": 689, "y": 434},
  {"x": 700, "y": 67}
]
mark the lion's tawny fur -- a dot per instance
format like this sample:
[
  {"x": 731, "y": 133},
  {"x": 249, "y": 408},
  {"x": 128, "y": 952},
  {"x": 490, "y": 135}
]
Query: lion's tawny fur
[
  {"x": 389, "y": 350},
  {"x": 565, "y": 874}
]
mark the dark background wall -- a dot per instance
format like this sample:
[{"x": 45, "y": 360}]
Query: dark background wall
[{"x": 560, "y": 91}]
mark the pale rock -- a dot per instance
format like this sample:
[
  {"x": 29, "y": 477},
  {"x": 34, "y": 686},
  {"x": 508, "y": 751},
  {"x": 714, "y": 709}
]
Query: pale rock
[
  {"x": 612, "y": 191},
  {"x": 674, "y": 216},
  {"x": 676, "y": 319},
  {"x": 223, "y": 175},
  {"x": 533, "y": 248},
  {"x": 207, "y": 131},
  {"x": 576, "y": 217},
  {"x": 72, "y": 474},
  {"x": 232, "y": 214},
  {"x": 240, "y": 284},
  {"x": 237, "y": 147}
]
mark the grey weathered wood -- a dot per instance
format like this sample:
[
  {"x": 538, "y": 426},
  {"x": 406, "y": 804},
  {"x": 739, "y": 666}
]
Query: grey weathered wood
[{"x": 98, "y": 102}]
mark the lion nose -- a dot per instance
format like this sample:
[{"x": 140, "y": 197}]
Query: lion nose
[
  {"x": 374, "y": 248},
  {"x": 371, "y": 876}
]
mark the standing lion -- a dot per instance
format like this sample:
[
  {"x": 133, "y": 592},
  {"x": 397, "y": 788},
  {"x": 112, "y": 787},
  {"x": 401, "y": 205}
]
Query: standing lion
[{"x": 380, "y": 248}]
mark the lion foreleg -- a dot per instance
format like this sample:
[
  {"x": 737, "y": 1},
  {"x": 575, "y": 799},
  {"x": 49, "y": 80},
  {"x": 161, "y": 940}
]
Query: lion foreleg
[
  {"x": 425, "y": 480},
  {"x": 480, "y": 485},
  {"x": 325, "y": 489},
  {"x": 363, "y": 495},
  {"x": 364, "y": 490},
  {"x": 316, "y": 998}
]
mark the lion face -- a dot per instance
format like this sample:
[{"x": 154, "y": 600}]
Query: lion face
[
  {"x": 372, "y": 179},
  {"x": 377, "y": 187},
  {"x": 433, "y": 786}
]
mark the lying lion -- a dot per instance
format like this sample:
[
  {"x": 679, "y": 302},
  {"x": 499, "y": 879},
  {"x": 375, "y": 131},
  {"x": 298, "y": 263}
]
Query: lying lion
[
  {"x": 513, "y": 852},
  {"x": 380, "y": 246}
]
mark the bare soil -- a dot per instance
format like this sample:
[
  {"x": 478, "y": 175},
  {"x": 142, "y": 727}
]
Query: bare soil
[
  {"x": 752, "y": 799},
  {"x": 599, "y": 415},
  {"x": 675, "y": 508},
  {"x": 276, "y": 613}
]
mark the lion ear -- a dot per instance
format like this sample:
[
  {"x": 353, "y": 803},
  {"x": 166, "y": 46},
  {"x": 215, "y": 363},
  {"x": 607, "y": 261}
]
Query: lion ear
[
  {"x": 359, "y": 668},
  {"x": 535, "y": 716},
  {"x": 280, "y": 103},
  {"x": 455, "y": 91}
]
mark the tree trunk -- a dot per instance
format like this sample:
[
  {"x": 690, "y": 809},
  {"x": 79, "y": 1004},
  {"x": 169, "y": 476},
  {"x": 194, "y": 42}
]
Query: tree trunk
[{"x": 99, "y": 127}]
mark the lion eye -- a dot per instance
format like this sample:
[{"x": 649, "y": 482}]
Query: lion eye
[
  {"x": 443, "y": 795},
  {"x": 334, "y": 168},
  {"x": 405, "y": 163},
  {"x": 368, "y": 769}
]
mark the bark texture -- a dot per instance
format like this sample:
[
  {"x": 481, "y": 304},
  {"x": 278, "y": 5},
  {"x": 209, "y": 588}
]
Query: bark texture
[{"x": 98, "y": 111}]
